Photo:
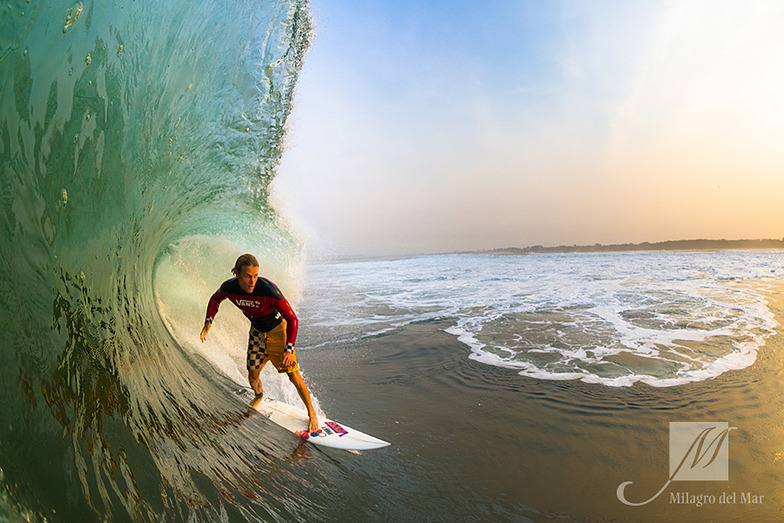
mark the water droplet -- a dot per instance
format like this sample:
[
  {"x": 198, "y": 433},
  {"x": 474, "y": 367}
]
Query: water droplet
[
  {"x": 64, "y": 197},
  {"x": 88, "y": 59}
]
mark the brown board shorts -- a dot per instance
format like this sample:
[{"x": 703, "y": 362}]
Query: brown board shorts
[{"x": 263, "y": 346}]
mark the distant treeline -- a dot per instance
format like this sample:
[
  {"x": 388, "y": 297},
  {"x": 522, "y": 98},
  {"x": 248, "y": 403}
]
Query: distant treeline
[{"x": 672, "y": 245}]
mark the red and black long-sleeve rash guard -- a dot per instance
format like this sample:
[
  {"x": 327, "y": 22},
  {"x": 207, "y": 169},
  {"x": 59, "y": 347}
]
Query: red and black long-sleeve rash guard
[{"x": 265, "y": 307}]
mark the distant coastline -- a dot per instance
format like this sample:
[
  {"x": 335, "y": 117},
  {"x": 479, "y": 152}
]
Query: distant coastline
[{"x": 671, "y": 245}]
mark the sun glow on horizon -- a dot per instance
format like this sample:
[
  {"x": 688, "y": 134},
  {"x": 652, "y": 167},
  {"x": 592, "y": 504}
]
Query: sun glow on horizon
[{"x": 594, "y": 122}]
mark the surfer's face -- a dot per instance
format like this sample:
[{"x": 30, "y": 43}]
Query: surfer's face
[{"x": 247, "y": 278}]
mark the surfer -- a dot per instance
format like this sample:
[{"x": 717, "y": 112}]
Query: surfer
[{"x": 273, "y": 327}]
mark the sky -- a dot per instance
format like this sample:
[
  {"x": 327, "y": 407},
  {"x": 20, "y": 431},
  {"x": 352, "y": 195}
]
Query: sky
[{"x": 423, "y": 126}]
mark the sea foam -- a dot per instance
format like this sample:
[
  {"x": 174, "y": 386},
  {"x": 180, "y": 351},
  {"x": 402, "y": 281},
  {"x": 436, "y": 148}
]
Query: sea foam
[{"x": 660, "y": 318}]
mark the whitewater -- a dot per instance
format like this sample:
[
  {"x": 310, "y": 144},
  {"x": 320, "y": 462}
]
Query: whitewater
[{"x": 661, "y": 318}]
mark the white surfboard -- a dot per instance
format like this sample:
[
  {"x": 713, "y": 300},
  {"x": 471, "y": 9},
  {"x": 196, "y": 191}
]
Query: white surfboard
[{"x": 330, "y": 433}]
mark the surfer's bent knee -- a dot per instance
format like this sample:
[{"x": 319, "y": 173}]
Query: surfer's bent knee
[{"x": 296, "y": 378}]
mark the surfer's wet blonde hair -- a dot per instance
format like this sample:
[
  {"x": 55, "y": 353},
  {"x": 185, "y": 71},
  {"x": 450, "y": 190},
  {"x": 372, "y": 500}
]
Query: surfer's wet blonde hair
[{"x": 243, "y": 261}]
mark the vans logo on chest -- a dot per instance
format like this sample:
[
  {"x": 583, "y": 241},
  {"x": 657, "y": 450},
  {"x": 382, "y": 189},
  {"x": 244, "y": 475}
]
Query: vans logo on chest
[{"x": 246, "y": 303}]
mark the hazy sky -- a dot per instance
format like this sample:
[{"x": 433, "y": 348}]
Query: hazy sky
[{"x": 439, "y": 125}]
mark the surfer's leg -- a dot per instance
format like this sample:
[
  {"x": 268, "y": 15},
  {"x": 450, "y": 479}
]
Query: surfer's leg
[
  {"x": 275, "y": 346},
  {"x": 257, "y": 357},
  {"x": 304, "y": 394},
  {"x": 255, "y": 381}
]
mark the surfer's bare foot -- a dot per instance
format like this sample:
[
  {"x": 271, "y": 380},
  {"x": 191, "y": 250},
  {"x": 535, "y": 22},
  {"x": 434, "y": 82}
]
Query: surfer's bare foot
[
  {"x": 313, "y": 425},
  {"x": 256, "y": 399}
]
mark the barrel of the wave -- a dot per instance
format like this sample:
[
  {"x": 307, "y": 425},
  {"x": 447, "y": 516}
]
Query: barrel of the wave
[{"x": 125, "y": 128}]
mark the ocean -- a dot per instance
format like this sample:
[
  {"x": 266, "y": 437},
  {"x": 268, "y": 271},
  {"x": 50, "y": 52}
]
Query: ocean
[
  {"x": 138, "y": 144},
  {"x": 532, "y": 388}
]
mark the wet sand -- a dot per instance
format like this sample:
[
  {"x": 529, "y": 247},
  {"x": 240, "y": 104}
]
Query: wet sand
[{"x": 473, "y": 442}]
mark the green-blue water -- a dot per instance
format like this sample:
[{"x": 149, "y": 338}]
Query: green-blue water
[{"x": 127, "y": 126}]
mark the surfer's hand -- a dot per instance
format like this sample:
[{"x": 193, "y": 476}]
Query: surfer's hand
[
  {"x": 288, "y": 359},
  {"x": 205, "y": 330}
]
